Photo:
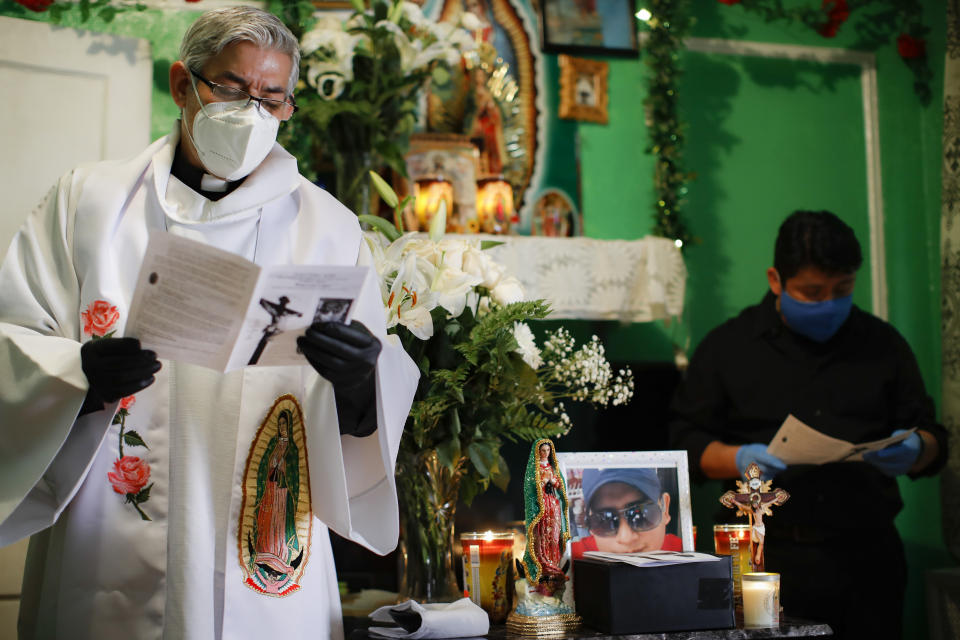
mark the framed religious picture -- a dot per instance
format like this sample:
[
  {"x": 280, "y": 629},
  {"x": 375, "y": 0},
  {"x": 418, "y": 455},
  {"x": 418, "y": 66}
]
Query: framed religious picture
[
  {"x": 627, "y": 502},
  {"x": 599, "y": 27},
  {"x": 583, "y": 89},
  {"x": 554, "y": 215}
]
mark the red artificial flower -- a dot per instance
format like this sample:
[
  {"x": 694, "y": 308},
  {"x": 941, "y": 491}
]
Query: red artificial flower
[
  {"x": 99, "y": 318},
  {"x": 126, "y": 403},
  {"x": 837, "y": 14},
  {"x": 36, "y": 5},
  {"x": 909, "y": 47},
  {"x": 729, "y": 2},
  {"x": 130, "y": 474}
]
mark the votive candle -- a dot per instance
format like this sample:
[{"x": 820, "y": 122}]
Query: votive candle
[
  {"x": 487, "y": 564},
  {"x": 761, "y": 599},
  {"x": 734, "y": 540}
]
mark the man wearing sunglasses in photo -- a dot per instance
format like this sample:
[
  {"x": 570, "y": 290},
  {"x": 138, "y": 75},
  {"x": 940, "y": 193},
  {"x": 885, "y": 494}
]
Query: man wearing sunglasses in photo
[{"x": 627, "y": 511}]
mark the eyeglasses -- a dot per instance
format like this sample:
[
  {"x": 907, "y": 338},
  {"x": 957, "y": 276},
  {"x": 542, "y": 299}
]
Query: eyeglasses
[
  {"x": 641, "y": 516},
  {"x": 280, "y": 109}
]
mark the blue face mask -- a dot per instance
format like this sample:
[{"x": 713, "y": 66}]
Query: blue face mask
[{"x": 815, "y": 320}]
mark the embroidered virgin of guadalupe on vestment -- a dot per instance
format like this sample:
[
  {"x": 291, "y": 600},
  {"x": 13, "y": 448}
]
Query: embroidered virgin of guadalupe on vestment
[{"x": 275, "y": 517}]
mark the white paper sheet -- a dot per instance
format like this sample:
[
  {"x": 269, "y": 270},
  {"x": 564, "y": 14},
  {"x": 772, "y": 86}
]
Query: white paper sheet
[
  {"x": 198, "y": 304},
  {"x": 798, "y": 443},
  {"x": 652, "y": 558}
]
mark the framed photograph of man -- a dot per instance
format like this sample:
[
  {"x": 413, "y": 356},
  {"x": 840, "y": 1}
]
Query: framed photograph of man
[
  {"x": 583, "y": 89},
  {"x": 628, "y": 502},
  {"x": 598, "y": 27}
]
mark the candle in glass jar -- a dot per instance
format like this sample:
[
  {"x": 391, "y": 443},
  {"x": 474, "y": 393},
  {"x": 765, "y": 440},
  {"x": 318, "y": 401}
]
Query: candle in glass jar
[
  {"x": 734, "y": 540},
  {"x": 761, "y": 599},
  {"x": 487, "y": 563}
]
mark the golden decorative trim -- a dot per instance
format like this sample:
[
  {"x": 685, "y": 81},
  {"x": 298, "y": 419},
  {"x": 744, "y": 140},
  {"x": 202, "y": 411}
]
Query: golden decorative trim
[
  {"x": 596, "y": 73},
  {"x": 542, "y": 626}
]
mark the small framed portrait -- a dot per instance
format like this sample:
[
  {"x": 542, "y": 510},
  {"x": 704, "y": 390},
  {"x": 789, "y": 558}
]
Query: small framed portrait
[
  {"x": 599, "y": 27},
  {"x": 583, "y": 89},
  {"x": 628, "y": 502}
]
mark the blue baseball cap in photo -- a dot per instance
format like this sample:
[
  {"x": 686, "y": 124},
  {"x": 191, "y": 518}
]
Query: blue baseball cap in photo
[{"x": 645, "y": 481}]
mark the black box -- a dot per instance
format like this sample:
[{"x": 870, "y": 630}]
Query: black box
[{"x": 615, "y": 597}]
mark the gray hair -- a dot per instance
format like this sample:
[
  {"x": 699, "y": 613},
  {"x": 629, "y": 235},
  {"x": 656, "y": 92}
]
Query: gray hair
[{"x": 214, "y": 30}]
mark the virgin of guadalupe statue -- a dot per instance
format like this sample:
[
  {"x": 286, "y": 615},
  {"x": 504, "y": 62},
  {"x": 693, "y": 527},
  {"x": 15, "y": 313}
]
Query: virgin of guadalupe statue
[{"x": 548, "y": 526}]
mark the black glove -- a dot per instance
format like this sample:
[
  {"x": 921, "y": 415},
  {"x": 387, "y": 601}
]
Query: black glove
[
  {"x": 115, "y": 368},
  {"x": 346, "y": 355}
]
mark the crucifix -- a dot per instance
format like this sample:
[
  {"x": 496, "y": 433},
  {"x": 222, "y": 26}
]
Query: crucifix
[{"x": 754, "y": 498}]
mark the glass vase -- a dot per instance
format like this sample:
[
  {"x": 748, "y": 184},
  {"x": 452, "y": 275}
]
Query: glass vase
[
  {"x": 427, "y": 492},
  {"x": 352, "y": 179}
]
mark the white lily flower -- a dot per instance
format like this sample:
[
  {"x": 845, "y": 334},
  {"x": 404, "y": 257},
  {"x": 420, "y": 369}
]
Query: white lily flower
[
  {"x": 441, "y": 30},
  {"x": 470, "y": 21},
  {"x": 328, "y": 83},
  {"x": 438, "y": 224},
  {"x": 323, "y": 32},
  {"x": 413, "y": 13},
  {"x": 462, "y": 41},
  {"x": 419, "y": 321}
]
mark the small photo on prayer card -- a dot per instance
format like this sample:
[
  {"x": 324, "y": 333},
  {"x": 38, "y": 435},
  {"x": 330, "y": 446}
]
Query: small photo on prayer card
[{"x": 332, "y": 310}]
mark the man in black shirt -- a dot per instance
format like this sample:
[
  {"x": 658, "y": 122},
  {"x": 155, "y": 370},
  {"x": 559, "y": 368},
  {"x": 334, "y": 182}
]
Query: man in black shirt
[{"x": 806, "y": 350}]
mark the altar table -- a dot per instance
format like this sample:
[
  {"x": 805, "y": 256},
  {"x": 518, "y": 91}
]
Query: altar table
[{"x": 789, "y": 628}]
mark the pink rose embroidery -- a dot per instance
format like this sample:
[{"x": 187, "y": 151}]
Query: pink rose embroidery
[
  {"x": 130, "y": 474},
  {"x": 99, "y": 318}
]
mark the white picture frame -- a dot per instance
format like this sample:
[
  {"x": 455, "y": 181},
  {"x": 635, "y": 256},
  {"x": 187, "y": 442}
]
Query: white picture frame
[{"x": 671, "y": 470}]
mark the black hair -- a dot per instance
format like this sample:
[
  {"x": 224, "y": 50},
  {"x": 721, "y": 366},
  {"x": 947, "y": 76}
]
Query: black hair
[{"x": 815, "y": 239}]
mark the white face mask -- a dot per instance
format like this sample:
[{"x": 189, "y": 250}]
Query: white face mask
[{"x": 232, "y": 138}]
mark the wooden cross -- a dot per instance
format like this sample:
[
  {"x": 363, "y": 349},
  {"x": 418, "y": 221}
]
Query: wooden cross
[{"x": 753, "y": 499}]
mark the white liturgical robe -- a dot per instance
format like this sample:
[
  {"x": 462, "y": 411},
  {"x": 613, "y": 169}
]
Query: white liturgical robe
[{"x": 240, "y": 474}]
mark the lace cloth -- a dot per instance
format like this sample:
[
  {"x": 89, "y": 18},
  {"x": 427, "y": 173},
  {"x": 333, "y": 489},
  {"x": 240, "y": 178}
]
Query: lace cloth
[{"x": 590, "y": 279}]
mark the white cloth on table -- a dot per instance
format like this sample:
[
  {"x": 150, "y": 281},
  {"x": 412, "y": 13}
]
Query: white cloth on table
[
  {"x": 593, "y": 279},
  {"x": 460, "y": 619}
]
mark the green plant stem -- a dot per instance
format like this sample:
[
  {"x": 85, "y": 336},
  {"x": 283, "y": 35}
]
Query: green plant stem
[{"x": 123, "y": 420}]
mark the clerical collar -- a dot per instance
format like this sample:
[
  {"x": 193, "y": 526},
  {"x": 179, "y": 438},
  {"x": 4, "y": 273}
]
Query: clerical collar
[{"x": 210, "y": 187}]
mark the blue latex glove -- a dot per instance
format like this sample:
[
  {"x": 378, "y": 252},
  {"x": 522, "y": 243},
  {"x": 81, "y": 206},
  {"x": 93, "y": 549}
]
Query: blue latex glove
[
  {"x": 770, "y": 465},
  {"x": 898, "y": 458}
]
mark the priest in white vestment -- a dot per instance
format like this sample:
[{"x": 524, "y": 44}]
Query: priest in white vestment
[{"x": 166, "y": 500}]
